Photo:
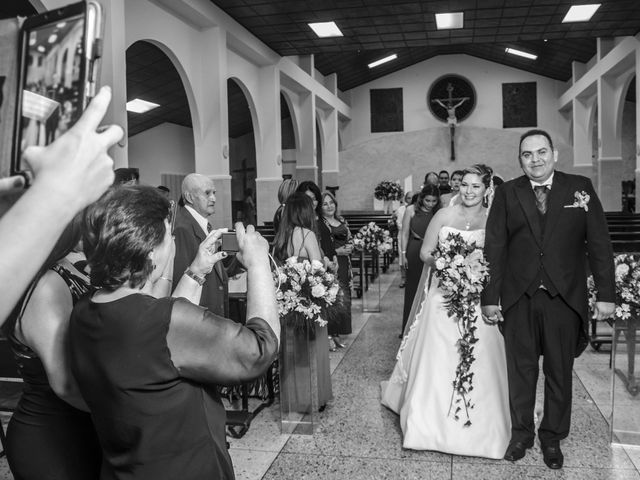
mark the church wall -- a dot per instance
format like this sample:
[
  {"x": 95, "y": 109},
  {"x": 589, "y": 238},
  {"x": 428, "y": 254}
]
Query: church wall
[
  {"x": 368, "y": 157},
  {"x": 167, "y": 148}
]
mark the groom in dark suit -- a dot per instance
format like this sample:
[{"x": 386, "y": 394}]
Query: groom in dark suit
[{"x": 542, "y": 229}]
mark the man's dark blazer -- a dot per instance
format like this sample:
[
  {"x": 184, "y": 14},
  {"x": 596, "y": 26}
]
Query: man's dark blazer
[
  {"x": 188, "y": 236},
  {"x": 519, "y": 241}
]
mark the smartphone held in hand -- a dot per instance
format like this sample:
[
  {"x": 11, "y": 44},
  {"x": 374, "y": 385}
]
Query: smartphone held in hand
[{"x": 59, "y": 54}]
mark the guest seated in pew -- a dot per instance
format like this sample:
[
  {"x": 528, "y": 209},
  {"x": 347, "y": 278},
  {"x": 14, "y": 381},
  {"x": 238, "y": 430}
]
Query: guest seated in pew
[
  {"x": 339, "y": 230},
  {"x": 50, "y": 435},
  {"x": 147, "y": 366}
]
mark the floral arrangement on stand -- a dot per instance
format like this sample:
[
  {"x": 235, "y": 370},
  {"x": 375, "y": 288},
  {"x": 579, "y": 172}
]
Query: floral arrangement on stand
[
  {"x": 372, "y": 238},
  {"x": 307, "y": 292},
  {"x": 463, "y": 272},
  {"x": 387, "y": 190},
  {"x": 627, "y": 268}
]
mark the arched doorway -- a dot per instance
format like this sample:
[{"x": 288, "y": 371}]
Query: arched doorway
[
  {"x": 629, "y": 142},
  {"x": 242, "y": 155},
  {"x": 160, "y": 143}
]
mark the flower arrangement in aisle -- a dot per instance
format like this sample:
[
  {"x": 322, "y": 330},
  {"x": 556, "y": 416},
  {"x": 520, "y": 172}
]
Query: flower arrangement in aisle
[
  {"x": 372, "y": 238},
  {"x": 387, "y": 190},
  {"x": 306, "y": 288},
  {"x": 627, "y": 268},
  {"x": 463, "y": 272}
]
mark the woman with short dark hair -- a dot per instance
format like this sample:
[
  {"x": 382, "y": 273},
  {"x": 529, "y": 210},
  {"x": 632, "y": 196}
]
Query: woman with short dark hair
[{"x": 147, "y": 367}]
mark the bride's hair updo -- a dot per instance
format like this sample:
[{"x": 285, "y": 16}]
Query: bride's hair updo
[{"x": 485, "y": 172}]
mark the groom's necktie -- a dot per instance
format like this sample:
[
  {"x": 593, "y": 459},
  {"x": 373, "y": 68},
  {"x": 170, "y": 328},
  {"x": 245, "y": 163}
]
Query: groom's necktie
[
  {"x": 542, "y": 192},
  {"x": 209, "y": 227}
]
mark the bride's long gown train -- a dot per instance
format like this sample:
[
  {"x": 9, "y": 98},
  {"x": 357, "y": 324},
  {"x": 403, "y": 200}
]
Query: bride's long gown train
[{"x": 421, "y": 385}]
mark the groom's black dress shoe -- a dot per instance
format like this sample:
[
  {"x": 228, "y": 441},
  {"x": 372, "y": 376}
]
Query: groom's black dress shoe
[
  {"x": 552, "y": 456},
  {"x": 516, "y": 450}
]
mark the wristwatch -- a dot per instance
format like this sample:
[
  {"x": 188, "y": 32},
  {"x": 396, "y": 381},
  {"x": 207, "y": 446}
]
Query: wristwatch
[{"x": 189, "y": 273}]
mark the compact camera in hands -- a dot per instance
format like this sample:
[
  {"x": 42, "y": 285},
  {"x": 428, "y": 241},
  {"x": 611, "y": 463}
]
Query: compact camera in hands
[{"x": 229, "y": 242}]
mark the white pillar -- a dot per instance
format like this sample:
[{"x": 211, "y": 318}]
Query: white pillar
[
  {"x": 306, "y": 167},
  {"x": 610, "y": 169},
  {"x": 269, "y": 151},
  {"x": 330, "y": 154}
]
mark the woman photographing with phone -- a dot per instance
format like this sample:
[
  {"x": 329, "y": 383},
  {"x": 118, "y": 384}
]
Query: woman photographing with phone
[{"x": 147, "y": 367}]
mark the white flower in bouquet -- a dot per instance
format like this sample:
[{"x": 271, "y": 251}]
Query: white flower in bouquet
[
  {"x": 318, "y": 290},
  {"x": 621, "y": 271},
  {"x": 441, "y": 263}
]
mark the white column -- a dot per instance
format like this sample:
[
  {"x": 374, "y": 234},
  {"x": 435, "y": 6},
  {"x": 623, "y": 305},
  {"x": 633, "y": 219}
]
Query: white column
[
  {"x": 269, "y": 151},
  {"x": 330, "y": 154},
  {"x": 306, "y": 167},
  {"x": 211, "y": 128},
  {"x": 609, "y": 186}
]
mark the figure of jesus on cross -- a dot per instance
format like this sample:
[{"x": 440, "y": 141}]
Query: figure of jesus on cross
[{"x": 450, "y": 104}]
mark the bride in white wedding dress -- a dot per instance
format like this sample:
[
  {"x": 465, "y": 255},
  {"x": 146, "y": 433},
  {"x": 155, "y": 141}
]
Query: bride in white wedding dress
[{"x": 421, "y": 388}]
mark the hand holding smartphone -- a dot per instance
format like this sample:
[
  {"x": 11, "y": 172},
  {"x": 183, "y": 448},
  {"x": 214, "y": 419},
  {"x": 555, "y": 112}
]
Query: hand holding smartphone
[{"x": 58, "y": 70}]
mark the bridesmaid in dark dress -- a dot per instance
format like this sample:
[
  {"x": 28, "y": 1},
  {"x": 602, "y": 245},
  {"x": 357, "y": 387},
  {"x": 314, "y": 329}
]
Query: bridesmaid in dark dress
[
  {"x": 341, "y": 236},
  {"x": 296, "y": 236},
  {"x": 414, "y": 225},
  {"x": 146, "y": 366},
  {"x": 48, "y": 437}
]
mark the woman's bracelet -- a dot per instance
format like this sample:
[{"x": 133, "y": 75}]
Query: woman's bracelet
[{"x": 167, "y": 279}]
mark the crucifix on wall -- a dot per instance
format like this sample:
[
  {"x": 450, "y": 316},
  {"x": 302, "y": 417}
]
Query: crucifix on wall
[
  {"x": 450, "y": 104},
  {"x": 451, "y": 99}
]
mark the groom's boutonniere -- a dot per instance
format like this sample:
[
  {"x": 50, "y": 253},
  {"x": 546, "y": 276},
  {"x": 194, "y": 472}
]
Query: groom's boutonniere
[{"x": 581, "y": 201}]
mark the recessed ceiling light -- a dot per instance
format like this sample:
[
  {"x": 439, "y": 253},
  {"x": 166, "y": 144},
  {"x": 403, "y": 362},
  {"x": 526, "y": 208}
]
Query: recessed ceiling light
[
  {"x": 52, "y": 38},
  {"x": 61, "y": 24},
  {"x": 580, "y": 13},
  {"x": 326, "y": 29},
  {"x": 513, "y": 51},
  {"x": 383, "y": 60},
  {"x": 140, "y": 106},
  {"x": 446, "y": 21},
  {"x": 41, "y": 49}
]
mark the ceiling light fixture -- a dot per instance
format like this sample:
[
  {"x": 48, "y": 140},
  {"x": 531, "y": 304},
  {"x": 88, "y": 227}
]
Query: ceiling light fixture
[
  {"x": 383, "y": 60},
  {"x": 580, "y": 13},
  {"x": 447, "y": 21},
  {"x": 520, "y": 53},
  {"x": 326, "y": 29},
  {"x": 140, "y": 106}
]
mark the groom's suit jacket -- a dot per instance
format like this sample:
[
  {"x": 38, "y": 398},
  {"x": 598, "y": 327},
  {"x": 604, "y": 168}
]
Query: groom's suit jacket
[
  {"x": 524, "y": 248},
  {"x": 188, "y": 236}
]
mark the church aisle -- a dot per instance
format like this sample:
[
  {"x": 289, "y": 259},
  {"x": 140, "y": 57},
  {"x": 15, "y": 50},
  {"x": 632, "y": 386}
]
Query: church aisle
[{"x": 360, "y": 439}]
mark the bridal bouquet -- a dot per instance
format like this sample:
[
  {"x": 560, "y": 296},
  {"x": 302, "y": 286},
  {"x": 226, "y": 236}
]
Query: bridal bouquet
[
  {"x": 462, "y": 272},
  {"x": 627, "y": 287},
  {"x": 372, "y": 238},
  {"x": 386, "y": 190},
  {"x": 307, "y": 288}
]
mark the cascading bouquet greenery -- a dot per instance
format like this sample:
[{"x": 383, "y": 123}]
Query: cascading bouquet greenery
[
  {"x": 387, "y": 190},
  {"x": 306, "y": 288},
  {"x": 627, "y": 269},
  {"x": 463, "y": 272},
  {"x": 372, "y": 238}
]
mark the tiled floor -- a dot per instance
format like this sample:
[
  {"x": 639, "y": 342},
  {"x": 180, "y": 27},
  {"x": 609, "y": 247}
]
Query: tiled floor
[{"x": 359, "y": 439}]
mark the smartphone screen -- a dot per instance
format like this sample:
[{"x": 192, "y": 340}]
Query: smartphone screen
[{"x": 52, "y": 77}]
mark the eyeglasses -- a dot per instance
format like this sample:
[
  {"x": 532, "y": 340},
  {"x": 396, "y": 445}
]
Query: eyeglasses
[{"x": 542, "y": 153}]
